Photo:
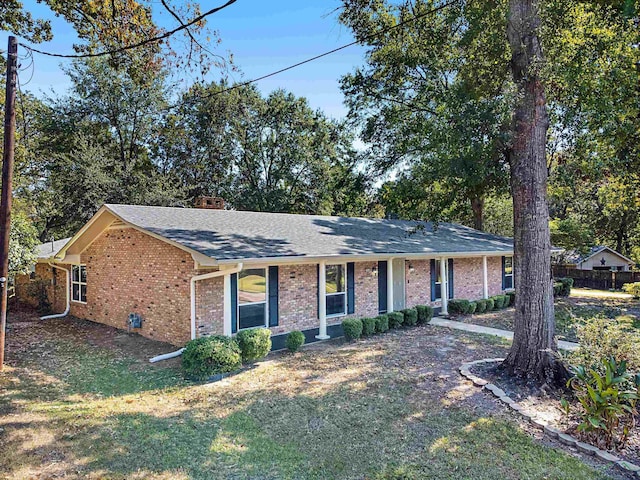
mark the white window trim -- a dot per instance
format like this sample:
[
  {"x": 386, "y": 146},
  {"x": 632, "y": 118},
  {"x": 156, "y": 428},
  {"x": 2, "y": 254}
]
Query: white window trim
[
  {"x": 439, "y": 282},
  {"x": 508, "y": 274},
  {"x": 344, "y": 271},
  {"x": 79, "y": 283},
  {"x": 265, "y": 302}
]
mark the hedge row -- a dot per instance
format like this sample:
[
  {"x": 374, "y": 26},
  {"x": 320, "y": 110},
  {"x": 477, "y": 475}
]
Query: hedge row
[
  {"x": 208, "y": 356},
  {"x": 467, "y": 307},
  {"x": 355, "y": 328}
]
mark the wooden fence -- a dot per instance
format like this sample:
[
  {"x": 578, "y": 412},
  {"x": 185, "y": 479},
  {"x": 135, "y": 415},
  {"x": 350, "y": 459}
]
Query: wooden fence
[{"x": 597, "y": 279}]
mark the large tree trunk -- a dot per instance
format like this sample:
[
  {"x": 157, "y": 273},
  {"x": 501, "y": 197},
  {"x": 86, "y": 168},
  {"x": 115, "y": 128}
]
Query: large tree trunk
[
  {"x": 532, "y": 353},
  {"x": 477, "y": 206}
]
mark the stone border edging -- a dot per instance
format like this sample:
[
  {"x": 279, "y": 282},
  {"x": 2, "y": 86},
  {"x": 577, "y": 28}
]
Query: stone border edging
[{"x": 541, "y": 424}]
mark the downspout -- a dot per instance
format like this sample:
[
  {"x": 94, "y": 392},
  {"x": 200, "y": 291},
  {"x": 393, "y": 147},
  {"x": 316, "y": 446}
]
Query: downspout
[
  {"x": 194, "y": 279},
  {"x": 66, "y": 310}
]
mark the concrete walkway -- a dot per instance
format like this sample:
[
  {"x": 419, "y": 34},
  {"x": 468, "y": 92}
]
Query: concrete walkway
[{"x": 469, "y": 327}]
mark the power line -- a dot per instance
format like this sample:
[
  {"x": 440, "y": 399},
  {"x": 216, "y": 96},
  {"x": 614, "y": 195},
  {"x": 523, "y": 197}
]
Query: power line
[
  {"x": 337, "y": 49},
  {"x": 167, "y": 34}
]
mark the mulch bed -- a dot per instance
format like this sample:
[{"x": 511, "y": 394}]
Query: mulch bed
[{"x": 545, "y": 403}]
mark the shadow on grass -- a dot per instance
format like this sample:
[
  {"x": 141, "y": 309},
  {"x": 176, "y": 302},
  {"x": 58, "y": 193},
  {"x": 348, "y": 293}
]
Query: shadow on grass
[{"x": 373, "y": 409}]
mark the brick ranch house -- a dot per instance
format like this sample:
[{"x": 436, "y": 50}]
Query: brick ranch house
[{"x": 189, "y": 272}]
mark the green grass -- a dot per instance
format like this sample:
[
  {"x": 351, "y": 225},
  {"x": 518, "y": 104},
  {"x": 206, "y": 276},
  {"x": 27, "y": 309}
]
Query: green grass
[{"x": 343, "y": 411}]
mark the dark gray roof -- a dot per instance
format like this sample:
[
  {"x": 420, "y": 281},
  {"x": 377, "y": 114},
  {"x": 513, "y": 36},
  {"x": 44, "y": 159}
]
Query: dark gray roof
[
  {"x": 236, "y": 235},
  {"x": 49, "y": 249}
]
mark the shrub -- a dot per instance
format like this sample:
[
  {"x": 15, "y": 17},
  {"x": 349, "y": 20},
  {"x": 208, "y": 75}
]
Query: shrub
[
  {"x": 472, "y": 308},
  {"x": 254, "y": 343},
  {"x": 505, "y": 300},
  {"x": 608, "y": 400},
  {"x": 382, "y": 323},
  {"x": 425, "y": 313},
  {"x": 207, "y": 356},
  {"x": 481, "y": 306},
  {"x": 368, "y": 326},
  {"x": 562, "y": 287},
  {"x": 352, "y": 328},
  {"x": 601, "y": 337},
  {"x": 410, "y": 316},
  {"x": 512, "y": 298},
  {"x": 490, "y": 304},
  {"x": 395, "y": 319},
  {"x": 632, "y": 289},
  {"x": 458, "y": 306},
  {"x": 499, "y": 301},
  {"x": 294, "y": 341}
]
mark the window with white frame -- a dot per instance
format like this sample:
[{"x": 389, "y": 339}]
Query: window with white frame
[
  {"x": 508, "y": 273},
  {"x": 438, "y": 282},
  {"x": 252, "y": 298},
  {"x": 79, "y": 283},
  {"x": 336, "y": 290}
]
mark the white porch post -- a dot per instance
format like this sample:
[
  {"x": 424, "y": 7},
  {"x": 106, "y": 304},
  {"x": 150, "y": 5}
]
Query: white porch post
[
  {"x": 322, "y": 302},
  {"x": 444, "y": 286},
  {"x": 390, "y": 285},
  {"x": 485, "y": 281},
  {"x": 226, "y": 327}
]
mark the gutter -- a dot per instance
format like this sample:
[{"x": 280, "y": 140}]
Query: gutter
[
  {"x": 194, "y": 279},
  {"x": 67, "y": 273}
]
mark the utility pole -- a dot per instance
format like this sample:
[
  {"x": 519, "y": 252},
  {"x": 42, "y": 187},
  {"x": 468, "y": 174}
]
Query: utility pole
[{"x": 7, "y": 180}]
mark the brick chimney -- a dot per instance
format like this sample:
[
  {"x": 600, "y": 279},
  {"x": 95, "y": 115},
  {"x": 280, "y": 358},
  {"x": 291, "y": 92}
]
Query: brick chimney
[{"x": 214, "y": 203}]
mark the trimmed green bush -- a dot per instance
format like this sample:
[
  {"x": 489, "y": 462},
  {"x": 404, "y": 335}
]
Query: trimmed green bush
[
  {"x": 562, "y": 287},
  {"x": 368, "y": 326},
  {"x": 294, "y": 341},
  {"x": 352, "y": 328},
  {"x": 512, "y": 298},
  {"x": 255, "y": 343},
  {"x": 498, "y": 302},
  {"x": 382, "y": 323},
  {"x": 425, "y": 313},
  {"x": 395, "y": 319},
  {"x": 207, "y": 356},
  {"x": 472, "y": 308},
  {"x": 481, "y": 306},
  {"x": 410, "y": 316},
  {"x": 491, "y": 305},
  {"x": 458, "y": 306}
]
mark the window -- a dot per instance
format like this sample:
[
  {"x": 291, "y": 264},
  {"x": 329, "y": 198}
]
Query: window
[
  {"x": 79, "y": 283},
  {"x": 252, "y": 298},
  {"x": 336, "y": 290},
  {"x": 438, "y": 282},
  {"x": 508, "y": 273}
]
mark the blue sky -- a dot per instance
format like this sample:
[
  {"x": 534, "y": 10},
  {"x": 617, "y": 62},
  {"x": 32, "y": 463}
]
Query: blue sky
[{"x": 262, "y": 36}]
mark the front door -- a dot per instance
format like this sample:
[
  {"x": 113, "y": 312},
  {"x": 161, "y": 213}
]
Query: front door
[{"x": 398, "y": 284}]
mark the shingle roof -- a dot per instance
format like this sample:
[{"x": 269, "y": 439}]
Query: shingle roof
[
  {"x": 237, "y": 235},
  {"x": 576, "y": 257},
  {"x": 49, "y": 249}
]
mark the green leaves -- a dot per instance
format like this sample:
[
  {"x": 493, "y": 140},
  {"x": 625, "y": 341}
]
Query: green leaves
[{"x": 608, "y": 395}]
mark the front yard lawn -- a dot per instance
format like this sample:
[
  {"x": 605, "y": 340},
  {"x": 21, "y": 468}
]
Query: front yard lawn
[
  {"x": 571, "y": 311},
  {"x": 80, "y": 400}
]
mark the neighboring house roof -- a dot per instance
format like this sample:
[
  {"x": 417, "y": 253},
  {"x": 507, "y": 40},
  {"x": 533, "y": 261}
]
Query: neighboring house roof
[
  {"x": 50, "y": 249},
  {"x": 576, "y": 258}
]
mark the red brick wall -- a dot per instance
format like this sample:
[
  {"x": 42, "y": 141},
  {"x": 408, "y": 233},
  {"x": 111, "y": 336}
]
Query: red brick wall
[
  {"x": 467, "y": 281},
  {"x": 131, "y": 272},
  {"x": 418, "y": 283},
  {"x": 128, "y": 271},
  {"x": 55, "y": 284},
  {"x": 209, "y": 306},
  {"x": 494, "y": 275}
]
